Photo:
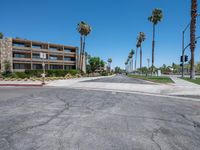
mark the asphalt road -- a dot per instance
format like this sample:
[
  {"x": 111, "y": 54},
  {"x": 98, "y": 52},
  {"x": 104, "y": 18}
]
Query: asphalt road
[
  {"x": 120, "y": 79},
  {"x": 69, "y": 119}
]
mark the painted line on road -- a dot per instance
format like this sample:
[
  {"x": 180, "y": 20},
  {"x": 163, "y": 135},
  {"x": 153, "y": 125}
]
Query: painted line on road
[{"x": 139, "y": 93}]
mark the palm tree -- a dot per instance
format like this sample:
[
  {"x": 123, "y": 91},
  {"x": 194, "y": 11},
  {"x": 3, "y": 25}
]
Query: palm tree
[
  {"x": 1, "y": 35},
  {"x": 141, "y": 38},
  {"x": 84, "y": 29},
  {"x": 126, "y": 63},
  {"x": 109, "y": 63},
  {"x": 156, "y": 17},
  {"x": 132, "y": 52},
  {"x": 192, "y": 36},
  {"x": 137, "y": 46}
]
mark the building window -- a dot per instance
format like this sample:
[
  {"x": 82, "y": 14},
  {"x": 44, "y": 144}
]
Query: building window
[
  {"x": 37, "y": 46},
  {"x": 37, "y": 66},
  {"x": 53, "y": 49},
  {"x": 21, "y": 55},
  {"x": 21, "y": 66},
  {"x": 19, "y": 44},
  {"x": 36, "y": 56},
  {"x": 68, "y": 50},
  {"x": 67, "y": 59},
  {"x": 58, "y": 67},
  {"x": 53, "y": 58}
]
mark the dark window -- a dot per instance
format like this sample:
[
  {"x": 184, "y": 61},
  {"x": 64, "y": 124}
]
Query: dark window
[
  {"x": 19, "y": 44},
  {"x": 21, "y": 66},
  {"x": 67, "y": 59},
  {"x": 37, "y": 66},
  {"x": 67, "y": 50},
  {"x": 36, "y": 56},
  {"x": 69, "y": 67},
  {"x": 56, "y": 67}
]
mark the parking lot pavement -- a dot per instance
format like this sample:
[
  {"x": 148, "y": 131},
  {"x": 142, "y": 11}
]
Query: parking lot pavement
[{"x": 62, "y": 118}]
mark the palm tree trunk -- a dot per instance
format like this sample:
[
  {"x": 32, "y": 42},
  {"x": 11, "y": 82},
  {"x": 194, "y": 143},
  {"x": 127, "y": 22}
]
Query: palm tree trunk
[
  {"x": 153, "y": 49},
  {"x": 193, "y": 36},
  {"x": 140, "y": 57},
  {"x": 136, "y": 59},
  {"x": 81, "y": 51}
]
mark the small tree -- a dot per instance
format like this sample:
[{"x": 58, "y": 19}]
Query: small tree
[
  {"x": 1, "y": 35},
  {"x": 94, "y": 63},
  {"x": 7, "y": 66}
]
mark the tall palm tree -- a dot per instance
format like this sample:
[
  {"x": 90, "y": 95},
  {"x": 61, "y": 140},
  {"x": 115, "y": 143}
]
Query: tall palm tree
[
  {"x": 84, "y": 29},
  {"x": 141, "y": 38},
  {"x": 193, "y": 36},
  {"x": 126, "y": 63},
  {"x": 109, "y": 63},
  {"x": 137, "y": 46},
  {"x": 155, "y": 18},
  {"x": 132, "y": 52}
]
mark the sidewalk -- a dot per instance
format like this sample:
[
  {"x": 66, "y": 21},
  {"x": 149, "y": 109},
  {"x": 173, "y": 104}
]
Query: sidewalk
[
  {"x": 183, "y": 87},
  {"x": 180, "y": 82}
]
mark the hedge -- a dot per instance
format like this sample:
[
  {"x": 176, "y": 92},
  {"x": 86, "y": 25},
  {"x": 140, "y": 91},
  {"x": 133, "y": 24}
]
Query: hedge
[{"x": 37, "y": 73}]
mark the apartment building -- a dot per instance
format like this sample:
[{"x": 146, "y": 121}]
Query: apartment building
[{"x": 25, "y": 55}]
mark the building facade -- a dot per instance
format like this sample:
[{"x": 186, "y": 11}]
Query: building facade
[{"x": 25, "y": 55}]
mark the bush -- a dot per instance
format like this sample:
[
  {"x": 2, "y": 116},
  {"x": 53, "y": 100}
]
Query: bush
[
  {"x": 73, "y": 72},
  {"x": 104, "y": 73},
  {"x": 34, "y": 73},
  {"x": 21, "y": 75},
  {"x": 37, "y": 73}
]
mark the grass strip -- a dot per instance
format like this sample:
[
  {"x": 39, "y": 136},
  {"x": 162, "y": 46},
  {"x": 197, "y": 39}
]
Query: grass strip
[{"x": 162, "y": 79}]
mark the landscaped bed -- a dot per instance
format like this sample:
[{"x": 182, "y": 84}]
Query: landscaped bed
[{"x": 153, "y": 78}]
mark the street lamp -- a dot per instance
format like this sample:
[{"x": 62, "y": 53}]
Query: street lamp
[
  {"x": 183, "y": 46},
  {"x": 43, "y": 56}
]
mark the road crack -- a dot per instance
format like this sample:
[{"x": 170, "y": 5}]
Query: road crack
[
  {"x": 153, "y": 135},
  {"x": 66, "y": 107}
]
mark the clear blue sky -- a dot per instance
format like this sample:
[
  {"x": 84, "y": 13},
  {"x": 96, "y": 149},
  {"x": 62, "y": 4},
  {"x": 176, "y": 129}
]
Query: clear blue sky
[{"x": 115, "y": 25}]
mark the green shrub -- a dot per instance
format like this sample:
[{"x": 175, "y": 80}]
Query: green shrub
[
  {"x": 104, "y": 73},
  {"x": 73, "y": 72},
  {"x": 34, "y": 73},
  {"x": 21, "y": 75}
]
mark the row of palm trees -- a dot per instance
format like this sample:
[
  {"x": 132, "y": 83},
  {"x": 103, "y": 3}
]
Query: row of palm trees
[
  {"x": 155, "y": 18},
  {"x": 129, "y": 61}
]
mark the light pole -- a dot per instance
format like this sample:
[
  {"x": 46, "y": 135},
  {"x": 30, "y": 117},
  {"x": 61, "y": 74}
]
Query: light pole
[
  {"x": 43, "y": 56},
  {"x": 183, "y": 48},
  {"x": 148, "y": 61}
]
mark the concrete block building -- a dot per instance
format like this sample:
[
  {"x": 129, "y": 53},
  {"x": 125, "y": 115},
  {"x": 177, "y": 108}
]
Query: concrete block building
[{"x": 25, "y": 55}]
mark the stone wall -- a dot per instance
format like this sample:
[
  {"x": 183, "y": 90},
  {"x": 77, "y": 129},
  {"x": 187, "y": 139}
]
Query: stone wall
[{"x": 6, "y": 52}]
